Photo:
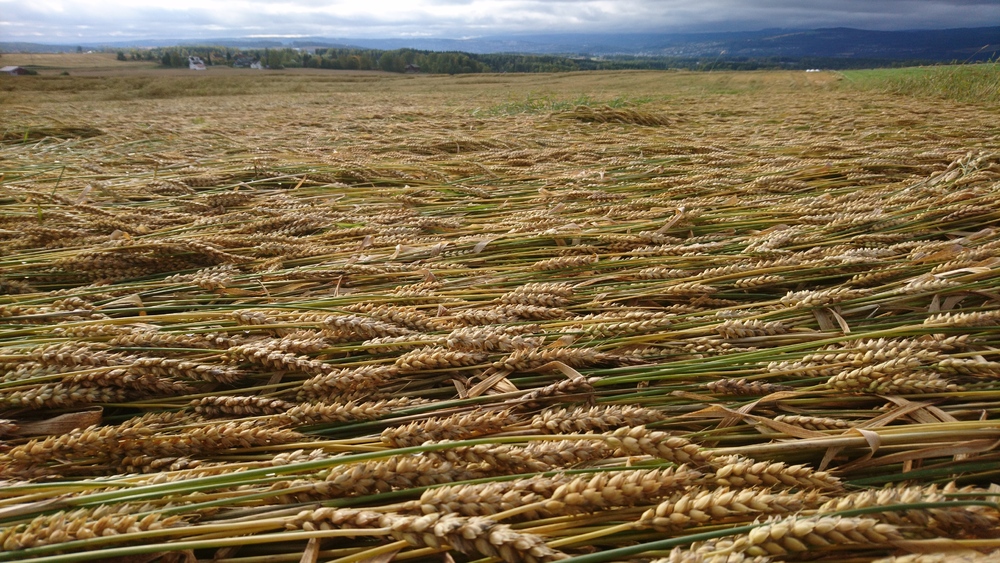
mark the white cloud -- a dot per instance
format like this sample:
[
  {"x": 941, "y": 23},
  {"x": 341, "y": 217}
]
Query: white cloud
[{"x": 456, "y": 18}]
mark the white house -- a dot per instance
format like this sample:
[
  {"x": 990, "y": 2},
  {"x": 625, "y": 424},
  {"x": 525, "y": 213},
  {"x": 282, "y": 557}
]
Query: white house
[
  {"x": 195, "y": 63},
  {"x": 246, "y": 61}
]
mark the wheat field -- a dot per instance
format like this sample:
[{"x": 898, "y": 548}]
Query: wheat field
[{"x": 364, "y": 318}]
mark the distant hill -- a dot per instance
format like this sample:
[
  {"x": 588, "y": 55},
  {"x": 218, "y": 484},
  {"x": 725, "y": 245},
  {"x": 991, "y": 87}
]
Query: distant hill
[
  {"x": 24, "y": 47},
  {"x": 942, "y": 45},
  {"x": 938, "y": 45},
  {"x": 926, "y": 45}
]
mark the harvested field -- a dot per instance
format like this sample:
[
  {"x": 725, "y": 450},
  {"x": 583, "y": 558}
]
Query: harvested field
[{"x": 641, "y": 316}]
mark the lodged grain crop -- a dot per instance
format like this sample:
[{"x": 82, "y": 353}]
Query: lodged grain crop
[{"x": 366, "y": 320}]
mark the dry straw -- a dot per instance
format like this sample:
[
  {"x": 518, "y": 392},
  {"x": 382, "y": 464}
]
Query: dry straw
[{"x": 408, "y": 319}]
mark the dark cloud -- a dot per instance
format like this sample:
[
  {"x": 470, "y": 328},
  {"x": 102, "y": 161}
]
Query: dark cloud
[{"x": 104, "y": 19}]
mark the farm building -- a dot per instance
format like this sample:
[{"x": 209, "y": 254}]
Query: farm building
[
  {"x": 246, "y": 61},
  {"x": 195, "y": 63},
  {"x": 15, "y": 70}
]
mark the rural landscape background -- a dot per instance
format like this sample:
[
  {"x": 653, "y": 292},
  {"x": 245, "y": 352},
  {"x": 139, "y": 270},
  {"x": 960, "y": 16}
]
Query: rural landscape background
[
  {"x": 619, "y": 315},
  {"x": 782, "y": 49}
]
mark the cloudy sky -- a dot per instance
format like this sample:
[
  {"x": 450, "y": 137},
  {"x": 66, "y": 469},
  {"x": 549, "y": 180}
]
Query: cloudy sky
[{"x": 52, "y": 20}]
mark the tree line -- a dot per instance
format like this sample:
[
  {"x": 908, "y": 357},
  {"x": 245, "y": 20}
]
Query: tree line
[{"x": 455, "y": 62}]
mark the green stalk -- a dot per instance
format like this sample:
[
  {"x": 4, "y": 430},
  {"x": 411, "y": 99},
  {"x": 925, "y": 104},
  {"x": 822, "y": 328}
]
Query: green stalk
[{"x": 38, "y": 553}]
